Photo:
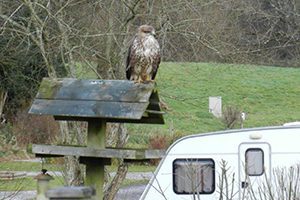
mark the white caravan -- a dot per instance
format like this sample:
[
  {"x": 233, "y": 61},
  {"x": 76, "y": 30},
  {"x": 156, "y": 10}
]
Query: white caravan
[{"x": 193, "y": 167}]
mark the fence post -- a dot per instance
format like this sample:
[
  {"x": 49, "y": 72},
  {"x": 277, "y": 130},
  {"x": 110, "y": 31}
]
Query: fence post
[
  {"x": 95, "y": 167},
  {"x": 42, "y": 184}
]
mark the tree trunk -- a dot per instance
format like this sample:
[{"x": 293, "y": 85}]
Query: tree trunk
[
  {"x": 118, "y": 136},
  {"x": 117, "y": 133},
  {"x": 112, "y": 189},
  {"x": 3, "y": 97},
  {"x": 73, "y": 174},
  {"x": 72, "y": 132}
]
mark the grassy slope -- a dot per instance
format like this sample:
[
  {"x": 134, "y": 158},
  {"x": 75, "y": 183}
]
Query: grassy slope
[{"x": 269, "y": 95}]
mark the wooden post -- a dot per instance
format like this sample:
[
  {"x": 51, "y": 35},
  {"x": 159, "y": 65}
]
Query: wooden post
[
  {"x": 42, "y": 185},
  {"x": 95, "y": 167}
]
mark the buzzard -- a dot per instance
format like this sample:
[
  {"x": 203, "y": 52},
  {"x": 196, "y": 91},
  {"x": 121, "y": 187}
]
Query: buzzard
[{"x": 143, "y": 56}]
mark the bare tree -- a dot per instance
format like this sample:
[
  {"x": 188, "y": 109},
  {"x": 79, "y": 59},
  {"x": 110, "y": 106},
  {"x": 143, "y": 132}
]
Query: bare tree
[
  {"x": 3, "y": 96},
  {"x": 97, "y": 36}
]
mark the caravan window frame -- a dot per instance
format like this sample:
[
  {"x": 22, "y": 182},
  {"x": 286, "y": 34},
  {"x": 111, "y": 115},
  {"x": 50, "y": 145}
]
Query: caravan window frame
[
  {"x": 182, "y": 161},
  {"x": 262, "y": 162}
]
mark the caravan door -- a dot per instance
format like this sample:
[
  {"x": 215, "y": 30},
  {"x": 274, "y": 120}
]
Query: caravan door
[{"x": 254, "y": 168}]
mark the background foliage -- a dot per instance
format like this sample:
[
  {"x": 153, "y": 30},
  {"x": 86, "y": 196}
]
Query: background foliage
[{"x": 39, "y": 38}]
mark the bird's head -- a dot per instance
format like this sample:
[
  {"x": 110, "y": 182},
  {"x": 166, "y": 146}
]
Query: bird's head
[{"x": 146, "y": 30}]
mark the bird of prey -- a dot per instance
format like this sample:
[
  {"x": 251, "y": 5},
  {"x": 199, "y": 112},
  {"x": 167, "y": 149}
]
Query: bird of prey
[{"x": 143, "y": 56}]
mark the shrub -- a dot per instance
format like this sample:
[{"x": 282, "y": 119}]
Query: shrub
[
  {"x": 158, "y": 142},
  {"x": 7, "y": 140},
  {"x": 231, "y": 116},
  {"x": 34, "y": 129},
  {"x": 284, "y": 185}
]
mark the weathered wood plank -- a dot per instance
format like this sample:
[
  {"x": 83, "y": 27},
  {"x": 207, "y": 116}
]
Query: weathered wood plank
[
  {"x": 96, "y": 90},
  {"x": 112, "y": 100},
  {"x": 152, "y": 119},
  {"x": 134, "y": 154},
  {"x": 93, "y": 109}
]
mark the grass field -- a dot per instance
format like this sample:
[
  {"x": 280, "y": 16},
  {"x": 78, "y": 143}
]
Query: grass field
[{"x": 269, "y": 95}]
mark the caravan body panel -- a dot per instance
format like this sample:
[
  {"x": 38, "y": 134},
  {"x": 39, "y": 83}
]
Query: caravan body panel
[{"x": 249, "y": 155}]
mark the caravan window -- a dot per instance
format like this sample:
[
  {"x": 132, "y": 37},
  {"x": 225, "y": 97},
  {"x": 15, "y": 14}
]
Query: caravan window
[
  {"x": 193, "y": 176},
  {"x": 254, "y": 162}
]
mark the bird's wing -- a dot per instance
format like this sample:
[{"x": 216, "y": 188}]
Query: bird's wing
[
  {"x": 130, "y": 62},
  {"x": 128, "y": 67},
  {"x": 155, "y": 64}
]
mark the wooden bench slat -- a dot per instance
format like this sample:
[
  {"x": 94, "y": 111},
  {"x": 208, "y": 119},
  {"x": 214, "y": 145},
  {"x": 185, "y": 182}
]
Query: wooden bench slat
[
  {"x": 137, "y": 154},
  {"x": 93, "y": 109},
  {"x": 96, "y": 90},
  {"x": 71, "y": 192}
]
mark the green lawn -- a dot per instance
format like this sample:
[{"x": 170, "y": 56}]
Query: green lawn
[
  {"x": 28, "y": 166},
  {"x": 29, "y": 183},
  {"x": 269, "y": 95}
]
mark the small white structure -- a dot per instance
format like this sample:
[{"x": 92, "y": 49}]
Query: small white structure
[
  {"x": 292, "y": 124},
  {"x": 193, "y": 164},
  {"x": 215, "y": 106},
  {"x": 243, "y": 118}
]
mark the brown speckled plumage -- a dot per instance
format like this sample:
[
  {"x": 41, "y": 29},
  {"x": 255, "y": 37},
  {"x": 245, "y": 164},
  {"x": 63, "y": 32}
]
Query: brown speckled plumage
[{"x": 143, "y": 56}]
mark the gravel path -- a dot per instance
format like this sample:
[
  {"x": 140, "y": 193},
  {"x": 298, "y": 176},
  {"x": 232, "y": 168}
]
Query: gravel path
[
  {"x": 127, "y": 193},
  {"x": 133, "y": 192}
]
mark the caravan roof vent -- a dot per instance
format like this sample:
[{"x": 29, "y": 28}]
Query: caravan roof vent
[{"x": 255, "y": 136}]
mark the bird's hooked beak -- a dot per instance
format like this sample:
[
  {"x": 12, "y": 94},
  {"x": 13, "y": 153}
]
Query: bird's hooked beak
[{"x": 153, "y": 33}]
